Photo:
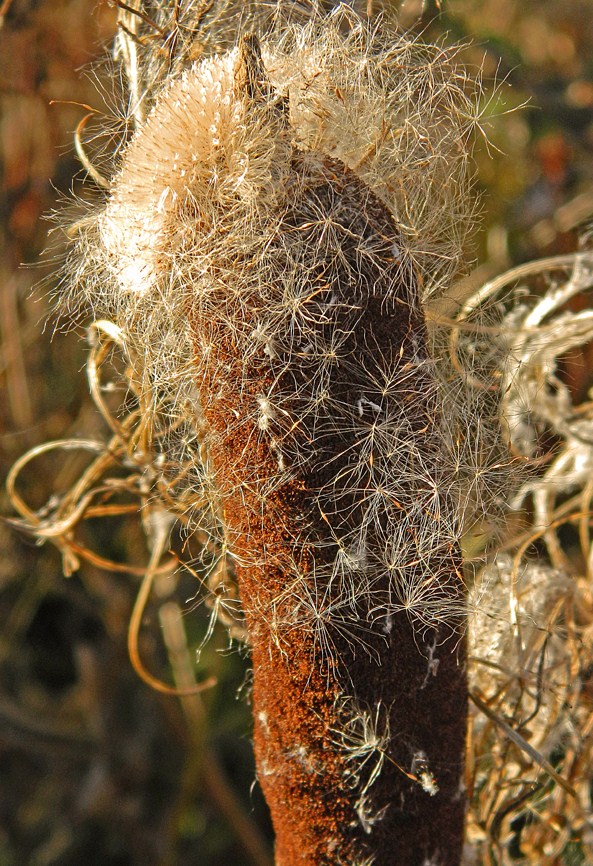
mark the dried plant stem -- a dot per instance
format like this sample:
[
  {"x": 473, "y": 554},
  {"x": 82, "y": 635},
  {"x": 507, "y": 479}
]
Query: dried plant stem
[
  {"x": 13, "y": 361},
  {"x": 159, "y": 537},
  {"x": 205, "y": 764}
]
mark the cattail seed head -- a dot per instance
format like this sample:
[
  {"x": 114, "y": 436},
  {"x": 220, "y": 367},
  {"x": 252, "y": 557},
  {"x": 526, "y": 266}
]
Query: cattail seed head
[
  {"x": 268, "y": 241},
  {"x": 181, "y": 246},
  {"x": 271, "y": 254}
]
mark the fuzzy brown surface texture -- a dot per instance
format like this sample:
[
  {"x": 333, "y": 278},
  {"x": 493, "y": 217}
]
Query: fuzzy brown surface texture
[{"x": 306, "y": 667}]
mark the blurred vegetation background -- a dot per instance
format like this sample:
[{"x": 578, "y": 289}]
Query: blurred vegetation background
[{"x": 96, "y": 767}]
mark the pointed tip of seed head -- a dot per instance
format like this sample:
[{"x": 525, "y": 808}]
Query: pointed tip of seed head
[{"x": 251, "y": 79}]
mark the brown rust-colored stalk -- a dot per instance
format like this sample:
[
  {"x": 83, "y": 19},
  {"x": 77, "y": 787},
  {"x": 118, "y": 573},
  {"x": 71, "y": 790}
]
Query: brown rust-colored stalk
[{"x": 409, "y": 676}]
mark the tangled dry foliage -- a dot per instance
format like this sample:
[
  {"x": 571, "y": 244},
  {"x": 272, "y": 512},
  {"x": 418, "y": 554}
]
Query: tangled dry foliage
[
  {"x": 529, "y": 766},
  {"x": 502, "y": 352}
]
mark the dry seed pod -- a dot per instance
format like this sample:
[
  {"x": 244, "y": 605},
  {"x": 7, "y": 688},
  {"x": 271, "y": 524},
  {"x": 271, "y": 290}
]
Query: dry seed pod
[{"x": 265, "y": 247}]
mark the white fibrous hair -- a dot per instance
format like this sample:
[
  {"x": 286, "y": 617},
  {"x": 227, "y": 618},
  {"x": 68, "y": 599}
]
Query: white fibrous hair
[{"x": 190, "y": 242}]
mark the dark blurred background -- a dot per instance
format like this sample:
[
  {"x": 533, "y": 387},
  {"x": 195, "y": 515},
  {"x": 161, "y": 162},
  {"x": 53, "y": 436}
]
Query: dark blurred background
[{"x": 95, "y": 767}]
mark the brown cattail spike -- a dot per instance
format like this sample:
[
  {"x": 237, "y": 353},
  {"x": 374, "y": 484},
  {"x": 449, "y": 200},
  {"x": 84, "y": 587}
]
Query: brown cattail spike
[
  {"x": 271, "y": 234},
  {"x": 329, "y": 657}
]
